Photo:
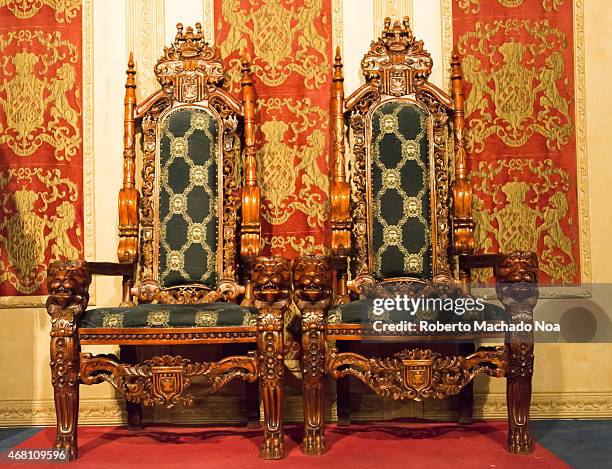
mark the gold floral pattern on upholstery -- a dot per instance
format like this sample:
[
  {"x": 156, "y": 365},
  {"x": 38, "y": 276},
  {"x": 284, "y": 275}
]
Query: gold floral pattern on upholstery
[
  {"x": 113, "y": 320},
  {"x": 250, "y": 319},
  {"x": 159, "y": 318},
  {"x": 173, "y": 315},
  {"x": 188, "y": 198},
  {"x": 206, "y": 318},
  {"x": 400, "y": 191}
]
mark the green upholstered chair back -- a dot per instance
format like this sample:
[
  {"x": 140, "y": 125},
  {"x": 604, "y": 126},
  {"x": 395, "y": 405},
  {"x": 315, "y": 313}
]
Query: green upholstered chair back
[
  {"x": 400, "y": 208},
  {"x": 399, "y": 129},
  {"x": 188, "y": 195},
  {"x": 190, "y": 203}
]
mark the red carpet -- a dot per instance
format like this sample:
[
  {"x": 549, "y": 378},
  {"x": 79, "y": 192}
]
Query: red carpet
[{"x": 380, "y": 445}]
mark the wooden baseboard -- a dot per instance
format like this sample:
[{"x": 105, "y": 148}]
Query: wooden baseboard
[{"x": 229, "y": 409}]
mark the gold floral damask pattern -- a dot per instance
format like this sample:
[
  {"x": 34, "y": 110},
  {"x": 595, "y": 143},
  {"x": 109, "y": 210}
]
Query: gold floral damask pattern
[
  {"x": 64, "y": 10},
  {"x": 525, "y": 216},
  {"x": 519, "y": 59},
  {"x": 272, "y": 27},
  {"x": 517, "y": 87},
  {"x": 392, "y": 201},
  {"x": 290, "y": 177},
  {"x": 473, "y": 6},
  {"x": 289, "y": 44},
  {"x": 187, "y": 184},
  {"x": 39, "y": 94},
  {"x": 38, "y": 223},
  {"x": 302, "y": 245}
]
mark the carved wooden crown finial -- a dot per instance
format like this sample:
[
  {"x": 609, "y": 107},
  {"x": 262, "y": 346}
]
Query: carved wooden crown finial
[
  {"x": 190, "y": 65},
  {"x": 397, "y": 63},
  {"x": 398, "y": 36},
  {"x": 189, "y": 43}
]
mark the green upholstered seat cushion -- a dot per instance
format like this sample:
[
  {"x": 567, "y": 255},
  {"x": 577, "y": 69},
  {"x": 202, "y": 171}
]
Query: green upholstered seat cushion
[
  {"x": 159, "y": 315},
  {"x": 359, "y": 311}
]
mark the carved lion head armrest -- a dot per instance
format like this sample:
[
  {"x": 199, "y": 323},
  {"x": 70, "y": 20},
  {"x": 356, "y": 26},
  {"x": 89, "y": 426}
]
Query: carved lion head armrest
[
  {"x": 312, "y": 280},
  {"x": 516, "y": 284},
  {"x": 271, "y": 277},
  {"x": 68, "y": 283}
]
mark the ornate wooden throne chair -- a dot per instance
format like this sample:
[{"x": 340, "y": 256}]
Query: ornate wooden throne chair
[
  {"x": 402, "y": 225},
  {"x": 188, "y": 253}
]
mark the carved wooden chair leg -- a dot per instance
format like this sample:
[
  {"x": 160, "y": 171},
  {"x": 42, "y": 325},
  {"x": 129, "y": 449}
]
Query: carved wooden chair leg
[
  {"x": 128, "y": 355},
  {"x": 343, "y": 394},
  {"x": 465, "y": 399},
  {"x": 312, "y": 284},
  {"x": 65, "y": 380},
  {"x": 517, "y": 289},
  {"x": 313, "y": 373},
  {"x": 518, "y": 395},
  {"x": 272, "y": 367},
  {"x": 68, "y": 284},
  {"x": 251, "y": 391}
]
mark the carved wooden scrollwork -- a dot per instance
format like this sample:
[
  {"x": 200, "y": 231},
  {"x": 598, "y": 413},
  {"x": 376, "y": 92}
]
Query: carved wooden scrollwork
[
  {"x": 417, "y": 374},
  {"x": 164, "y": 380},
  {"x": 190, "y": 68},
  {"x": 396, "y": 61}
]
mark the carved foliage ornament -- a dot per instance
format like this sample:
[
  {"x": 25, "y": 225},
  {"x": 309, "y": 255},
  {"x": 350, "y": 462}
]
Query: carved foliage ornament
[
  {"x": 397, "y": 62},
  {"x": 417, "y": 374},
  {"x": 163, "y": 380},
  {"x": 39, "y": 93},
  {"x": 189, "y": 66}
]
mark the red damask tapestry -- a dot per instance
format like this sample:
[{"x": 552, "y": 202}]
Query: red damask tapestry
[
  {"x": 518, "y": 59},
  {"x": 290, "y": 46},
  {"x": 41, "y": 141}
]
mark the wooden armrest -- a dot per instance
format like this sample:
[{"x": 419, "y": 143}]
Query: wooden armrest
[
  {"x": 513, "y": 267},
  {"x": 110, "y": 268},
  {"x": 479, "y": 261}
]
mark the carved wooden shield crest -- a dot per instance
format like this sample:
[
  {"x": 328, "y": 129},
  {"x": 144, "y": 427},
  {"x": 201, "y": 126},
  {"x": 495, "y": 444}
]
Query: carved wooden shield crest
[
  {"x": 417, "y": 374},
  {"x": 168, "y": 382}
]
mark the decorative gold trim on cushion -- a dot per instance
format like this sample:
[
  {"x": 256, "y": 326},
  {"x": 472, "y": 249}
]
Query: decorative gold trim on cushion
[
  {"x": 113, "y": 320},
  {"x": 250, "y": 319},
  {"x": 159, "y": 318},
  {"x": 206, "y": 318},
  {"x": 334, "y": 316}
]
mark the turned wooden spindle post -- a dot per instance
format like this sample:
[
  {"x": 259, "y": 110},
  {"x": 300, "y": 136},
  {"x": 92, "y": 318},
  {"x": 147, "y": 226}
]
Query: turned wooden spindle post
[
  {"x": 463, "y": 224},
  {"x": 340, "y": 189},
  {"x": 128, "y": 195},
  {"x": 251, "y": 196}
]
